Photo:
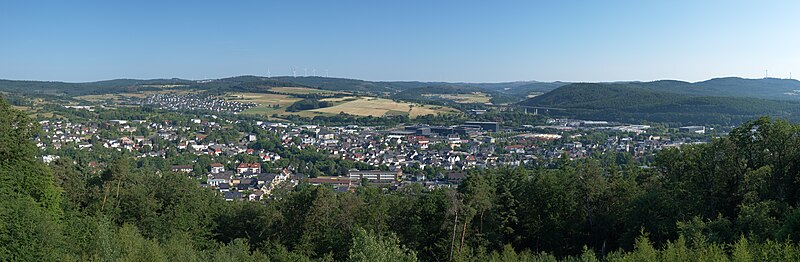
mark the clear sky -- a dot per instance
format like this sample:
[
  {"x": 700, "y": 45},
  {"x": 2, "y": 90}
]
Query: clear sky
[{"x": 465, "y": 41}]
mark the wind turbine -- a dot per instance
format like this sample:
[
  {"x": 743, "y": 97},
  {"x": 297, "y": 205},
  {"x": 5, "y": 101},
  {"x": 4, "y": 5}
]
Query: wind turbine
[
  {"x": 294, "y": 72},
  {"x": 268, "y": 73},
  {"x": 305, "y": 71}
]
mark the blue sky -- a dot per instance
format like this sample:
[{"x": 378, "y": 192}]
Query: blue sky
[{"x": 465, "y": 41}]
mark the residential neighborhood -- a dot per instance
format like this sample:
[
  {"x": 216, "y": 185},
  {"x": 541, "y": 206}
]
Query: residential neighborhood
[{"x": 395, "y": 157}]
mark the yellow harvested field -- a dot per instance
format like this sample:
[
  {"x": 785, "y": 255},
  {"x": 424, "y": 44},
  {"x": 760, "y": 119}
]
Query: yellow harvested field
[
  {"x": 371, "y": 106},
  {"x": 301, "y": 90}
]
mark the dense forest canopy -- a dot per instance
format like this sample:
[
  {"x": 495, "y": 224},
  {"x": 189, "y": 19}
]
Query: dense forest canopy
[{"x": 734, "y": 198}]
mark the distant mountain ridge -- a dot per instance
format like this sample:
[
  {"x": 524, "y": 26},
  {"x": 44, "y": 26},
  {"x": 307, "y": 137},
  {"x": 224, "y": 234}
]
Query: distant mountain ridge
[
  {"x": 509, "y": 91},
  {"x": 768, "y": 88},
  {"x": 106, "y": 86},
  {"x": 344, "y": 84},
  {"x": 658, "y": 101}
]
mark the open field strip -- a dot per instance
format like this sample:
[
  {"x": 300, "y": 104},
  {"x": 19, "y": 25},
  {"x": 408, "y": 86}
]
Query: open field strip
[
  {"x": 302, "y": 90},
  {"x": 371, "y": 106},
  {"x": 476, "y": 97}
]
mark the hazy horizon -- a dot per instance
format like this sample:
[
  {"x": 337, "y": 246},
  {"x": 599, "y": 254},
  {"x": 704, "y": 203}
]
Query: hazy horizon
[
  {"x": 454, "y": 82},
  {"x": 418, "y": 41}
]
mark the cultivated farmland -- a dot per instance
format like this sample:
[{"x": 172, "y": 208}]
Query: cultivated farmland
[{"x": 372, "y": 106}]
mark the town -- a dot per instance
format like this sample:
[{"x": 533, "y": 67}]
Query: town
[
  {"x": 250, "y": 159},
  {"x": 194, "y": 102}
]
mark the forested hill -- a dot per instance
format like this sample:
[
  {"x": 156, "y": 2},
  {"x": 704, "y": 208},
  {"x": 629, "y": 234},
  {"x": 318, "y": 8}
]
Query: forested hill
[
  {"x": 767, "y": 88},
  {"x": 521, "y": 88},
  {"x": 239, "y": 83},
  {"x": 637, "y": 102},
  {"x": 391, "y": 87},
  {"x": 99, "y": 87},
  {"x": 256, "y": 84},
  {"x": 351, "y": 85}
]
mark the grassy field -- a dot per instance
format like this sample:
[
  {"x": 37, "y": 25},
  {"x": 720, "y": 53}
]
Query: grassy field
[
  {"x": 266, "y": 102},
  {"x": 33, "y": 112},
  {"x": 476, "y": 97},
  {"x": 371, "y": 106},
  {"x": 301, "y": 90}
]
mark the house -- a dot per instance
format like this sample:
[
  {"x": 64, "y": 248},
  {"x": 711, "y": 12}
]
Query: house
[
  {"x": 244, "y": 168},
  {"x": 471, "y": 161},
  {"x": 218, "y": 179},
  {"x": 265, "y": 179},
  {"x": 519, "y": 149},
  {"x": 268, "y": 157},
  {"x": 217, "y": 168},
  {"x": 271, "y": 181},
  {"x": 255, "y": 168},
  {"x": 325, "y": 135},
  {"x": 183, "y": 169},
  {"x": 224, "y": 187},
  {"x": 243, "y": 186},
  {"x": 250, "y": 182},
  {"x": 256, "y": 196},
  {"x": 232, "y": 196}
]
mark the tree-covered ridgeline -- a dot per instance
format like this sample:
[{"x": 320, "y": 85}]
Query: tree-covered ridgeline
[
  {"x": 735, "y": 198},
  {"x": 640, "y": 102}
]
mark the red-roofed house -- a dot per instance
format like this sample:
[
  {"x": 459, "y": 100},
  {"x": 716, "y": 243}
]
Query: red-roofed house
[{"x": 254, "y": 168}]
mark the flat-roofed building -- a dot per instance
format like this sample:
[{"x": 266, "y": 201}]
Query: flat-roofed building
[
  {"x": 486, "y": 126},
  {"x": 376, "y": 176}
]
